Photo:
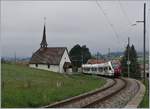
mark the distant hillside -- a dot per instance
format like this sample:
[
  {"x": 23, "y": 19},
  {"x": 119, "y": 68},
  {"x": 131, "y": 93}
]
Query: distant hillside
[
  {"x": 105, "y": 56},
  {"x": 17, "y": 58},
  {"x": 116, "y": 53}
]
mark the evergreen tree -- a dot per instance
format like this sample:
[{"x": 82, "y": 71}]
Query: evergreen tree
[
  {"x": 134, "y": 66},
  {"x": 85, "y": 54},
  {"x": 124, "y": 59},
  {"x": 135, "y": 70}
]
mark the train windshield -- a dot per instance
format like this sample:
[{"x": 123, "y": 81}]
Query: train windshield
[{"x": 114, "y": 65}]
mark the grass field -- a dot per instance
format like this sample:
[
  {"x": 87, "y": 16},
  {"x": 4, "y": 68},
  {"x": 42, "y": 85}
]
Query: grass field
[
  {"x": 27, "y": 87},
  {"x": 145, "y": 101}
]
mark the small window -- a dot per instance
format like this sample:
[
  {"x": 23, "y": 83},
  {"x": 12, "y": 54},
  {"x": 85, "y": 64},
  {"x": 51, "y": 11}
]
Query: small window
[
  {"x": 36, "y": 65},
  {"x": 48, "y": 65},
  {"x": 94, "y": 69},
  {"x": 86, "y": 69},
  {"x": 105, "y": 69},
  {"x": 100, "y": 69},
  {"x": 109, "y": 68}
]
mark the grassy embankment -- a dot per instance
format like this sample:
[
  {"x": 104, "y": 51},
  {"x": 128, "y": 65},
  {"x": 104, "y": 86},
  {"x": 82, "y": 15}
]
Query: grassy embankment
[
  {"x": 145, "y": 101},
  {"x": 27, "y": 87}
]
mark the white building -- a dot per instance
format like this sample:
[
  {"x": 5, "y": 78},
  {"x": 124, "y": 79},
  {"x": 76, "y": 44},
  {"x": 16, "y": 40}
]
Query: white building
[{"x": 51, "y": 58}]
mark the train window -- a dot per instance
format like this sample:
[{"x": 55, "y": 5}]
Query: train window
[
  {"x": 109, "y": 68},
  {"x": 86, "y": 69},
  {"x": 105, "y": 69},
  {"x": 100, "y": 69},
  {"x": 94, "y": 69}
]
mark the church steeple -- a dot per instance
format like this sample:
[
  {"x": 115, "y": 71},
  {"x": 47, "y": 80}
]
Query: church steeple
[{"x": 44, "y": 43}]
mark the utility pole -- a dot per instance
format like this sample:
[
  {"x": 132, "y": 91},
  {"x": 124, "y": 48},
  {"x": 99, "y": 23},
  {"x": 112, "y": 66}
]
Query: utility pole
[
  {"x": 82, "y": 61},
  {"x": 44, "y": 20},
  {"x": 144, "y": 35},
  {"x": 108, "y": 53},
  {"x": 128, "y": 62},
  {"x": 97, "y": 57},
  {"x": 15, "y": 57}
]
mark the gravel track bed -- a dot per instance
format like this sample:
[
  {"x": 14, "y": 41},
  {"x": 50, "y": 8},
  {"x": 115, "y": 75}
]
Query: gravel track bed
[{"x": 122, "y": 98}]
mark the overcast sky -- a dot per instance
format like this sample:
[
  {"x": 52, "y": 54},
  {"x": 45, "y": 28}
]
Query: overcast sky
[{"x": 99, "y": 26}]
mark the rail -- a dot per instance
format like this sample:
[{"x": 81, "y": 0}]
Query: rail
[
  {"x": 93, "y": 103},
  {"x": 72, "y": 100}
]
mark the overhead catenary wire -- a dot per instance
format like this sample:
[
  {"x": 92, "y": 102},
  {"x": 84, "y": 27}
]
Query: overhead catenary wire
[
  {"x": 128, "y": 20},
  {"x": 124, "y": 12},
  {"x": 126, "y": 17},
  {"x": 108, "y": 21}
]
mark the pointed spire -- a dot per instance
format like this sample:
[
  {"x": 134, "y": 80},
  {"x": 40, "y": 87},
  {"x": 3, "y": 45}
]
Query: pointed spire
[{"x": 44, "y": 43}]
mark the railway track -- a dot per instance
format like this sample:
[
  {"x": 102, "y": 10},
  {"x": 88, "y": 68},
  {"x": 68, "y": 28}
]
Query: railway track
[
  {"x": 97, "y": 101},
  {"x": 122, "y": 98},
  {"x": 92, "y": 98}
]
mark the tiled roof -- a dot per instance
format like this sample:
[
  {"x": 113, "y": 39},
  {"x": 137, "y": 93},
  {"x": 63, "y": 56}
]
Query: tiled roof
[
  {"x": 50, "y": 55},
  {"x": 95, "y": 61}
]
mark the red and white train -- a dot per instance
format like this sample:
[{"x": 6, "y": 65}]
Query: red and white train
[{"x": 105, "y": 69}]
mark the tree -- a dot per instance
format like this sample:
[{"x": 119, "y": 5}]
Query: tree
[
  {"x": 3, "y": 60},
  {"x": 75, "y": 55},
  {"x": 134, "y": 65},
  {"x": 79, "y": 55},
  {"x": 85, "y": 54}
]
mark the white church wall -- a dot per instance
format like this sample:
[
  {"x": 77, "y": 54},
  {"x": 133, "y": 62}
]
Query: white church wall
[
  {"x": 69, "y": 70},
  {"x": 65, "y": 58},
  {"x": 54, "y": 68}
]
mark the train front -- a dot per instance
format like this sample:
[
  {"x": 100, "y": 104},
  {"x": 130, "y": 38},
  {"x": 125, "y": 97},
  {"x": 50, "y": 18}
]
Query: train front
[{"x": 117, "y": 69}]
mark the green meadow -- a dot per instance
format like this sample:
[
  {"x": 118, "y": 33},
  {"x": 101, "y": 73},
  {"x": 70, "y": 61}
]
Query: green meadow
[{"x": 27, "y": 87}]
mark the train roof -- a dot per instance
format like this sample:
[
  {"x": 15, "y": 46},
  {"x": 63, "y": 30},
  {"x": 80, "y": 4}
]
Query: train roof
[{"x": 97, "y": 65}]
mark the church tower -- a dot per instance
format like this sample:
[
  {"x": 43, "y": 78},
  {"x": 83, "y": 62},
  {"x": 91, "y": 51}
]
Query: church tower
[{"x": 44, "y": 43}]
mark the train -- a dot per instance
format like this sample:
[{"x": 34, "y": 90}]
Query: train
[{"x": 104, "y": 69}]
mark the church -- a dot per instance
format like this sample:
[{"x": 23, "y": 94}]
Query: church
[{"x": 54, "y": 59}]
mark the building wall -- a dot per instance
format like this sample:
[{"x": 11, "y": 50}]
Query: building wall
[
  {"x": 65, "y": 58},
  {"x": 54, "y": 68}
]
